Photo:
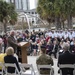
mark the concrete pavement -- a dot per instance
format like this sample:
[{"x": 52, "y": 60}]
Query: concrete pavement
[{"x": 32, "y": 60}]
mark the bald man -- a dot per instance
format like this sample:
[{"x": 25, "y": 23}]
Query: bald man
[{"x": 12, "y": 41}]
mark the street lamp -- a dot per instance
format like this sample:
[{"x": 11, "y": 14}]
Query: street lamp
[{"x": 25, "y": 16}]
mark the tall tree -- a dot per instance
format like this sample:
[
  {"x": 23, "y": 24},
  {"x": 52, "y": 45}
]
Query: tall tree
[
  {"x": 7, "y": 13},
  {"x": 46, "y": 10},
  {"x": 61, "y": 10},
  {"x": 69, "y": 11},
  {"x": 59, "y": 13}
]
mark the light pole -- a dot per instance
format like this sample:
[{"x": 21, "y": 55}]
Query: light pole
[
  {"x": 38, "y": 18},
  {"x": 25, "y": 16},
  {"x": 28, "y": 22},
  {"x": 22, "y": 23}
]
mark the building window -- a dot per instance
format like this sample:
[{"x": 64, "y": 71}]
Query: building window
[
  {"x": 25, "y": 12},
  {"x": 29, "y": 12},
  {"x": 32, "y": 12},
  {"x": 35, "y": 12}
]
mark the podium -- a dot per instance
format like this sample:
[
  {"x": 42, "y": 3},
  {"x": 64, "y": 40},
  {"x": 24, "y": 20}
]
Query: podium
[{"x": 23, "y": 55}]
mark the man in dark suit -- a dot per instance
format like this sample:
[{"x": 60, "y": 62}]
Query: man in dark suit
[
  {"x": 66, "y": 58},
  {"x": 54, "y": 49},
  {"x": 12, "y": 42}
]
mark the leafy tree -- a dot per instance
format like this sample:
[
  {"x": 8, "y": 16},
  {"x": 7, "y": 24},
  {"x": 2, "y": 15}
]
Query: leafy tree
[
  {"x": 59, "y": 13},
  {"x": 7, "y": 14},
  {"x": 46, "y": 10},
  {"x": 58, "y": 10},
  {"x": 69, "y": 11}
]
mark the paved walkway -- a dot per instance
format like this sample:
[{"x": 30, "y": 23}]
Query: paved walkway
[{"x": 32, "y": 60}]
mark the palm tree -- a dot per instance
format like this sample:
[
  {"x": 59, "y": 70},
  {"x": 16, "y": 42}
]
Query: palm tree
[
  {"x": 46, "y": 10},
  {"x": 66, "y": 10},
  {"x": 58, "y": 10},
  {"x": 7, "y": 13}
]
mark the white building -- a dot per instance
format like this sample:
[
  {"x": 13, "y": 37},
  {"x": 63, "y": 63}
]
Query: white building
[
  {"x": 25, "y": 6},
  {"x": 20, "y": 4},
  {"x": 36, "y": 3},
  {"x": 31, "y": 15}
]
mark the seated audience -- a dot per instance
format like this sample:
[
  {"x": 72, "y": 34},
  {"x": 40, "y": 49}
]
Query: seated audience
[
  {"x": 66, "y": 58},
  {"x": 44, "y": 59},
  {"x": 55, "y": 48},
  {"x": 10, "y": 58},
  {"x": 49, "y": 47},
  {"x": 2, "y": 55},
  {"x": 72, "y": 47}
]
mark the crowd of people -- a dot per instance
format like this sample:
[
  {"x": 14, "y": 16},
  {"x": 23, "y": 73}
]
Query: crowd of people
[
  {"x": 59, "y": 43},
  {"x": 52, "y": 39}
]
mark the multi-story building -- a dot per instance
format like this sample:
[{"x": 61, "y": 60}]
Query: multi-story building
[
  {"x": 36, "y": 3},
  {"x": 20, "y": 4},
  {"x": 24, "y": 6}
]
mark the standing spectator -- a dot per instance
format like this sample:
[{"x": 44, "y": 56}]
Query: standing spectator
[{"x": 66, "y": 58}]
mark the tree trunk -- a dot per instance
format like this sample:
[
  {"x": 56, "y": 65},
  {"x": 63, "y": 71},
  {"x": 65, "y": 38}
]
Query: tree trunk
[
  {"x": 5, "y": 25},
  {"x": 57, "y": 22},
  {"x": 63, "y": 24},
  {"x": 69, "y": 21},
  {"x": 5, "y": 29}
]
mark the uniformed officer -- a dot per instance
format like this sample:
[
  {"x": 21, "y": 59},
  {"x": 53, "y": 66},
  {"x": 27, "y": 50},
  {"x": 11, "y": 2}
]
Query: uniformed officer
[{"x": 45, "y": 60}]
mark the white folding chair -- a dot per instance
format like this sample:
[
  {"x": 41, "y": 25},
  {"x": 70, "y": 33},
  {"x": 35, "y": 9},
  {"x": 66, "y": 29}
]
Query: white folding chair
[
  {"x": 67, "y": 66},
  {"x": 45, "y": 67},
  {"x": 14, "y": 66},
  {"x": 2, "y": 68},
  {"x": 30, "y": 70}
]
